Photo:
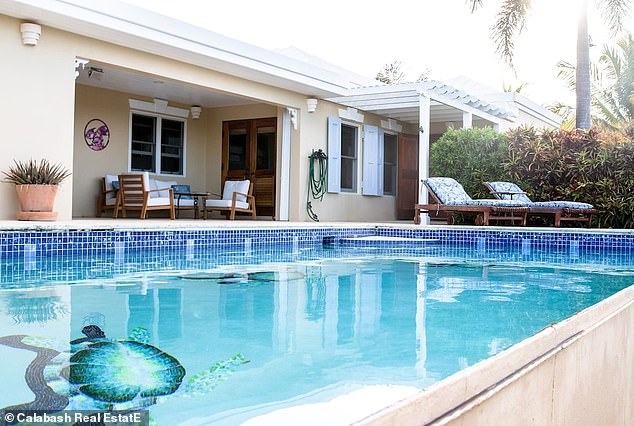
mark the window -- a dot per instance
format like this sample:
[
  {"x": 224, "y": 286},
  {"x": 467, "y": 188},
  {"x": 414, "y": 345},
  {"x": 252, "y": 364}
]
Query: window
[
  {"x": 342, "y": 156},
  {"x": 389, "y": 163},
  {"x": 348, "y": 158},
  {"x": 157, "y": 144}
]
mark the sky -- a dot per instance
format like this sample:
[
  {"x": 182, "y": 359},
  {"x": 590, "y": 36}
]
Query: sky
[{"x": 440, "y": 35}]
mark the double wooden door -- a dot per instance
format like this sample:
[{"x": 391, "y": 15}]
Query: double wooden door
[{"x": 249, "y": 152}]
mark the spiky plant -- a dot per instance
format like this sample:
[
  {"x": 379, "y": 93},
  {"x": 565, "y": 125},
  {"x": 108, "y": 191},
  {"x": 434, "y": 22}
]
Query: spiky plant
[{"x": 33, "y": 173}]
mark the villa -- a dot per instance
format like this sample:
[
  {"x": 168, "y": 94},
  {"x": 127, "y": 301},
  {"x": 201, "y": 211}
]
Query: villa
[
  {"x": 195, "y": 107},
  {"x": 354, "y": 320}
]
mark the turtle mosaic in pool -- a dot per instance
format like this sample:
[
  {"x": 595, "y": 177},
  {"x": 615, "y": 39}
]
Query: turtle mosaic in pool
[{"x": 223, "y": 336}]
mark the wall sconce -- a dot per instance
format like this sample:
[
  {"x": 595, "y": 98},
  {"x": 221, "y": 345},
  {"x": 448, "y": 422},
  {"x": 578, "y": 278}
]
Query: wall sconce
[
  {"x": 196, "y": 110},
  {"x": 30, "y": 33},
  {"x": 311, "y": 104}
]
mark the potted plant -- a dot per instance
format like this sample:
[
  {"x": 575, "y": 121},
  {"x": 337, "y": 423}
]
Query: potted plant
[{"x": 36, "y": 186}]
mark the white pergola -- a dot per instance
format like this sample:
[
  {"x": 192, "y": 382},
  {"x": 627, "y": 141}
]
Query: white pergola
[{"x": 424, "y": 104}]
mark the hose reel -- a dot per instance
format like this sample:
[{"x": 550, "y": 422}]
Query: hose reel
[{"x": 317, "y": 179}]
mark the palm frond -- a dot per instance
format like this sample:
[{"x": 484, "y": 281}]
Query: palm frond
[
  {"x": 567, "y": 72},
  {"x": 566, "y": 112},
  {"x": 510, "y": 21},
  {"x": 615, "y": 13},
  {"x": 475, "y": 4}
]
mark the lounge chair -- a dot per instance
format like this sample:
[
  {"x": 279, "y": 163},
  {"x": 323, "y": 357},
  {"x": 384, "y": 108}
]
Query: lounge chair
[
  {"x": 135, "y": 194},
  {"x": 563, "y": 211},
  {"x": 448, "y": 196},
  {"x": 237, "y": 196}
]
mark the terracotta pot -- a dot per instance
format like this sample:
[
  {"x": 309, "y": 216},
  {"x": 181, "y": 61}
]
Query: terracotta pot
[{"x": 36, "y": 198}]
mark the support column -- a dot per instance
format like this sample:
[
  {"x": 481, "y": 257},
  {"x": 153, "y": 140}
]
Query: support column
[
  {"x": 424, "y": 130},
  {"x": 285, "y": 164},
  {"x": 467, "y": 120}
]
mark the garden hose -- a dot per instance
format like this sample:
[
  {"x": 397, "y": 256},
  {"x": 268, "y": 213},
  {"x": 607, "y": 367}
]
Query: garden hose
[{"x": 317, "y": 173}]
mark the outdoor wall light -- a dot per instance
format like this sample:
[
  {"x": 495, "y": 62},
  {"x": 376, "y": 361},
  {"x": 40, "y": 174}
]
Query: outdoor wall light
[
  {"x": 196, "y": 110},
  {"x": 311, "y": 104},
  {"x": 30, "y": 33}
]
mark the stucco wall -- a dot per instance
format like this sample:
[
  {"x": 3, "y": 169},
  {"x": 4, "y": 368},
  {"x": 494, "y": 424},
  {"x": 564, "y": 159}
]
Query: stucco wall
[
  {"x": 342, "y": 206},
  {"x": 40, "y": 119},
  {"x": 577, "y": 372},
  {"x": 525, "y": 119},
  {"x": 89, "y": 166},
  {"x": 38, "y": 89}
]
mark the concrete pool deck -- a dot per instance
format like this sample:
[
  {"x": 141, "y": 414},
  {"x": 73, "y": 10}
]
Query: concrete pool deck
[{"x": 153, "y": 223}]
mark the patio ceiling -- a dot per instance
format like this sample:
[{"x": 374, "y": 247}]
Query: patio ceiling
[
  {"x": 402, "y": 102},
  {"x": 108, "y": 77}
]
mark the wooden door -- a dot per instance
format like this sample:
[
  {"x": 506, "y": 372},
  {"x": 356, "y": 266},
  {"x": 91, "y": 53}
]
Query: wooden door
[
  {"x": 249, "y": 152},
  {"x": 407, "y": 176}
]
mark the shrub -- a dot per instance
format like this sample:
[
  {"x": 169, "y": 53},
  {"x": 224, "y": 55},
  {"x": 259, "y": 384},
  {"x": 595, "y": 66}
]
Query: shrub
[
  {"x": 33, "y": 173},
  {"x": 471, "y": 156},
  {"x": 588, "y": 166}
]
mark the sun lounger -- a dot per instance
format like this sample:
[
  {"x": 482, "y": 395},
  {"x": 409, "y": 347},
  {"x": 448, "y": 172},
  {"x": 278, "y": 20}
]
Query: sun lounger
[
  {"x": 448, "y": 196},
  {"x": 563, "y": 211}
]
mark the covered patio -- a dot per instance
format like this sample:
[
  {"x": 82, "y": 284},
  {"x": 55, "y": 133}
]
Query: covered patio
[{"x": 432, "y": 107}]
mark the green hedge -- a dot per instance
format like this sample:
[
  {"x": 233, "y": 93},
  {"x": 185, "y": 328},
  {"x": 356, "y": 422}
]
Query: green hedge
[
  {"x": 588, "y": 166},
  {"x": 471, "y": 156}
]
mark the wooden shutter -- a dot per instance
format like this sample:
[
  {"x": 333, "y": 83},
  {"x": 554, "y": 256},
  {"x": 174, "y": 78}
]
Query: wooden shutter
[
  {"x": 407, "y": 179},
  {"x": 334, "y": 154},
  {"x": 370, "y": 161}
]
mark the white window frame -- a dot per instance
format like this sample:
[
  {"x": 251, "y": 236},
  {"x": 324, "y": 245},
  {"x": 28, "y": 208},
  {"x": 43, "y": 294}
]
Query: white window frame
[
  {"x": 355, "y": 159},
  {"x": 395, "y": 172},
  {"x": 157, "y": 143}
]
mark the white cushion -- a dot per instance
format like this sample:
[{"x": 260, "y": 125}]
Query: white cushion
[
  {"x": 159, "y": 184},
  {"x": 110, "y": 195},
  {"x": 146, "y": 180},
  {"x": 158, "y": 201},
  {"x": 232, "y": 186},
  {"x": 111, "y": 201},
  {"x": 153, "y": 187},
  {"x": 226, "y": 203}
]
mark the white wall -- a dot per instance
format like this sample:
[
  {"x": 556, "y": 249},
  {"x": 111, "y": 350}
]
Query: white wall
[
  {"x": 38, "y": 90},
  {"x": 577, "y": 372}
]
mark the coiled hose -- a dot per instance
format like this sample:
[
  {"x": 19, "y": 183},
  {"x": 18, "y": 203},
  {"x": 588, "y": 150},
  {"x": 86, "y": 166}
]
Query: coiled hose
[{"x": 317, "y": 174}]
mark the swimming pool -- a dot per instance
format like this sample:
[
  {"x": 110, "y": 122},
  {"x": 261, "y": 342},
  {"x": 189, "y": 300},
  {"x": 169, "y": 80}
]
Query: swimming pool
[{"x": 260, "y": 328}]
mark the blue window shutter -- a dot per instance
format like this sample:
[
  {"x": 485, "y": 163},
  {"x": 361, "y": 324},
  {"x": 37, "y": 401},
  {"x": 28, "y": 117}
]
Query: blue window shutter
[
  {"x": 334, "y": 154},
  {"x": 380, "y": 156},
  {"x": 370, "y": 160}
]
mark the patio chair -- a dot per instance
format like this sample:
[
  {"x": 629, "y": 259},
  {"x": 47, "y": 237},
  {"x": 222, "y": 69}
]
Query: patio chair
[
  {"x": 447, "y": 195},
  {"x": 108, "y": 195},
  {"x": 563, "y": 211},
  {"x": 237, "y": 196},
  {"x": 135, "y": 194}
]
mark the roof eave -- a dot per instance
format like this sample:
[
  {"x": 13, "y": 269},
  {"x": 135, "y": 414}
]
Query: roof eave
[{"x": 125, "y": 25}]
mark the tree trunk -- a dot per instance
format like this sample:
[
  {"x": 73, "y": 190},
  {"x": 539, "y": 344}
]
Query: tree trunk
[{"x": 584, "y": 120}]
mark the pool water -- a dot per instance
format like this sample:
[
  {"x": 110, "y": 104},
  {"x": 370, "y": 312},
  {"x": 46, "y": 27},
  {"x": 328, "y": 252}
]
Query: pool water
[{"x": 264, "y": 330}]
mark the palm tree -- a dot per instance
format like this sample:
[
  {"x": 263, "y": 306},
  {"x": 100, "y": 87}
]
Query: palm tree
[
  {"x": 510, "y": 22},
  {"x": 393, "y": 74},
  {"x": 612, "y": 85}
]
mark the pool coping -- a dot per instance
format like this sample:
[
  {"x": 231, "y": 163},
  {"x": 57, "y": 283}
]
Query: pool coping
[{"x": 187, "y": 224}]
